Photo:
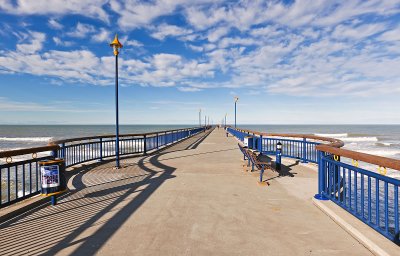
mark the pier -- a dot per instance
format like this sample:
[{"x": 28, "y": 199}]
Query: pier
[{"x": 194, "y": 197}]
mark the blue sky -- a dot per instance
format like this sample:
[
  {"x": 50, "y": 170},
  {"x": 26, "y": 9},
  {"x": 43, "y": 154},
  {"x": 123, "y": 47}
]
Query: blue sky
[{"x": 290, "y": 62}]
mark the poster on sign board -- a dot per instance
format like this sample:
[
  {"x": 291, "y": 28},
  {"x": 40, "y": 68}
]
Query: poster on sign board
[{"x": 50, "y": 176}]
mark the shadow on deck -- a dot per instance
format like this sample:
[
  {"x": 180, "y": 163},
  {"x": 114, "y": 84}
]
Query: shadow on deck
[{"x": 87, "y": 217}]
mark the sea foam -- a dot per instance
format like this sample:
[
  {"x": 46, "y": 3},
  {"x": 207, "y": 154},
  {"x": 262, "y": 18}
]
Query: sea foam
[
  {"x": 332, "y": 135},
  {"x": 359, "y": 139},
  {"x": 35, "y": 139}
]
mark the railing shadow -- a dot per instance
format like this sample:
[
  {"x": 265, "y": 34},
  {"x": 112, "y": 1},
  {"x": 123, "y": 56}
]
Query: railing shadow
[
  {"x": 51, "y": 230},
  {"x": 196, "y": 143},
  {"x": 91, "y": 244}
]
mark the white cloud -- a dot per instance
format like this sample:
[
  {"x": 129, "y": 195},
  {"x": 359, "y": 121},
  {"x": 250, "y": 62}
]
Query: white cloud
[
  {"x": 102, "y": 36},
  {"x": 188, "y": 89},
  {"x": 133, "y": 43},
  {"x": 59, "y": 41},
  {"x": 391, "y": 35},
  {"x": 126, "y": 41},
  {"x": 135, "y": 14},
  {"x": 93, "y": 8},
  {"x": 308, "y": 46},
  {"x": 9, "y": 105},
  {"x": 195, "y": 48},
  {"x": 84, "y": 66},
  {"x": 35, "y": 43},
  {"x": 270, "y": 31},
  {"x": 81, "y": 30},
  {"x": 215, "y": 34},
  {"x": 71, "y": 65},
  {"x": 359, "y": 32},
  {"x": 164, "y": 30},
  {"x": 228, "y": 41},
  {"x": 55, "y": 24},
  {"x": 339, "y": 11}
]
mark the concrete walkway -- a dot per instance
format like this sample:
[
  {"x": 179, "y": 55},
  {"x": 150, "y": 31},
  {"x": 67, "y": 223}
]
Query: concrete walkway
[{"x": 192, "y": 199}]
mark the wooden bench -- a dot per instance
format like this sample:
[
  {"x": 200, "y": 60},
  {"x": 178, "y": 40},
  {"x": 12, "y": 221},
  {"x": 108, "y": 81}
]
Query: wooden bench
[
  {"x": 253, "y": 158},
  {"x": 244, "y": 152}
]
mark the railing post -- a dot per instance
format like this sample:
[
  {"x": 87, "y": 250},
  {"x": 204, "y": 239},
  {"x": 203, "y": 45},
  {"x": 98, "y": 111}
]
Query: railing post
[
  {"x": 54, "y": 153},
  {"x": 157, "y": 140},
  {"x": 278, "y": 157},
  {"x": 260, "y": 144},
  {"x": 145, "y": 145},
  {"x": 101, "y": 149},
  {"x": 304, "y": 150},
  {"x": 321, "y": 177},
  {"x": 63, "y": 151}
]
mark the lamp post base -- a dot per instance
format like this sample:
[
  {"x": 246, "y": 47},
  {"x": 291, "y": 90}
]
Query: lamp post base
[{"x": 321, "y": 197}]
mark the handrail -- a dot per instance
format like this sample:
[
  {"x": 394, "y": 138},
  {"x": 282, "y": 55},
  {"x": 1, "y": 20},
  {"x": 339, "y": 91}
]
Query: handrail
[
  {"x": 55, "y": 142},
  {"x": 333, "y": 142},
  {"x": 24, "y": 151},
  {"x": 19, "y": 176},
  {"x": 334, "y": 147},
  {"x": 364, "y": 157},
  {"x": 54, "y": 145},
  {"x": 359, "y": 191}
]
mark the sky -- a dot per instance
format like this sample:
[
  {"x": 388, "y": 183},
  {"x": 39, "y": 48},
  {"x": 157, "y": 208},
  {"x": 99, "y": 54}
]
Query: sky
[{"x": 289, "y": 62}]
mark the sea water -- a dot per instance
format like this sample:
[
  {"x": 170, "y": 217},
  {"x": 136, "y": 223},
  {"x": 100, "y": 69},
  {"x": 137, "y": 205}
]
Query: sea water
[
  {"x": 380, "y": 140},
  {"x": 25, "y": 136}
]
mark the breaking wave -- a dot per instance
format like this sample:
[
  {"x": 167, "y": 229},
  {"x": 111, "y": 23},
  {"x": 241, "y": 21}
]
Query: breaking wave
[{"x": 33, "y": 139}]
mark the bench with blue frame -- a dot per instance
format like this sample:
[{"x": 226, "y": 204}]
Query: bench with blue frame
[{"x": 252, "y": 157}]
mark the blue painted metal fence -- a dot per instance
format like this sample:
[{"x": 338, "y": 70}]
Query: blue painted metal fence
[
  {"x": 371, "y": 197},
  {"x": 293, "y": 148},
  {"x": 21, "y": 179}
]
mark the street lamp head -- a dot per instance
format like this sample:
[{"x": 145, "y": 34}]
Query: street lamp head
[
  {"x": 236, "y": 99},
  {"x": 116, "y": 45}
]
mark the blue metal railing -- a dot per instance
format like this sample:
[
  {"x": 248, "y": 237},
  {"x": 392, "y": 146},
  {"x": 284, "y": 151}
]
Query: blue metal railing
[
  {"x": 370, "y": 196},
  {"x": 21, "y": 179},
  {"x": 292, "y": 148},
  {"x": 80, "y": 151}
]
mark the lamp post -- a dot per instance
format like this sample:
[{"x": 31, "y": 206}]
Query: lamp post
[
  {"x": 116, "y": 45},
  {"x": 199, "y": 117},
  {"x": 225, "y": 119},
  {"x": 236, "y": 100}
]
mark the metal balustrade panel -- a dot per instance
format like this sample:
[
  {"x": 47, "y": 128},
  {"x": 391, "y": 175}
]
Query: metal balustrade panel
[
  {"x": 20, "y": 180},
  {"x": 371, "y": 197}
]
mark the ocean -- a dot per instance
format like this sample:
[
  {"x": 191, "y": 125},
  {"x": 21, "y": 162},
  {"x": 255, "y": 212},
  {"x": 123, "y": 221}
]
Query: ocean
[
  {"x": 381, "y": 140},
  {"x": 22, "y": 136}
]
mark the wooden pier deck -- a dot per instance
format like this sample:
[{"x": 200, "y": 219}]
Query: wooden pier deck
[{"x": 193, "y": 198}]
